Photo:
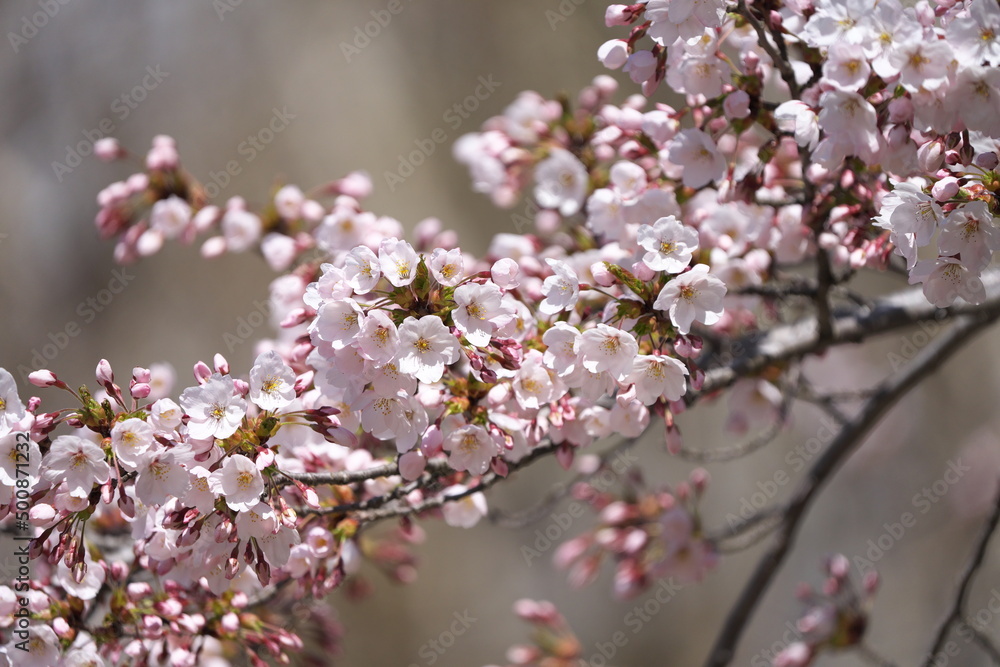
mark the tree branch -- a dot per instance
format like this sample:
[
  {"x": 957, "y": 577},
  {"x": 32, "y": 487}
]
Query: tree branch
[
  {"x": 962, "y": 596},
  {"x": 753, "y": 353},
  {"x": 850, "y": 436}
]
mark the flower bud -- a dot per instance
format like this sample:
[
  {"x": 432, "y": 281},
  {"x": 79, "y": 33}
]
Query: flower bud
[
  {"x": 945, "y": 189},
  {"x": 45, "y": 378},
  {"x": 107, "y": 149},
  {"x": 412, "y": 464},
  {"x": 105, "y": 375},
  {"x": 613, "y": 53},
  {"x": 140, "y": 390},
  {"x": 736, "y": 105},
  {"x": 987, "y": 161}
]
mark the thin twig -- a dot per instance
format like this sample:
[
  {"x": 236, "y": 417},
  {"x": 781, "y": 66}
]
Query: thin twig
[
  {"x": 961, "y": 598},
  {"x": 781, "y": 344},
  {"x": 849, "y": 438},
  {"x": 558, "y": 492},
  {"x": 742, "y": 449},
  {"x": 782, "y": 63}
]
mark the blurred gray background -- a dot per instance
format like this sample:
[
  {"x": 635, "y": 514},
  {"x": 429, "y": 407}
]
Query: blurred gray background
[{"x": 226, "y": 67}]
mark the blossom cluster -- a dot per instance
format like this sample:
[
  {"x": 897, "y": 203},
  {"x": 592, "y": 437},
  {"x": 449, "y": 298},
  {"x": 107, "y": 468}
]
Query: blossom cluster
[
  {"x": 407, "y": 374},
  {"x": 894, "y": 104},
  {"x": 835, "y": 617},
  {"x": 452, "y": 366},
  {"x": 649, "y": 536}
]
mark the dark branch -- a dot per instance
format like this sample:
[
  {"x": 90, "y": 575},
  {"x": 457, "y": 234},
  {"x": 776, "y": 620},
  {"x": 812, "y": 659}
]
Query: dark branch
[
  {"x": 961, "y": 598},
  {"x": 751, "y": 354},
  {"x": 849, "y": 438}
]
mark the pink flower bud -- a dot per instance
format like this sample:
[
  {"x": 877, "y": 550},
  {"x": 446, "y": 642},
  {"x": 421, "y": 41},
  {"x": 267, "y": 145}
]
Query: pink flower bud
[
  {"x": 296, "y": 317},
  {"x": 169, "y": 608},
  {"x": 44, "y": 378},
  {"x": 643, "y": 272},
  {"x": 613, "y": 53},
  {"x": 602, "y": 276},
  {"x": 230, "y": 623},
  {"x": 136, "y": 591},
  {"x": 357, "y": 184},
  {"x": 431, "y": 441},
  {"x": 547, "y": 222},
  {"x": 202, "y": 372},
  {"x": 42, "y": 513},
  {"x": 205, "y": 218},
  {"x": 699, "y": 478},
  {"x": 221, "y": 365},
  {"x": 736, "y": 105},
  {"x": 213, "y": 247},
  {"x": 798, "y": 654},
  {"x": 945, "y": 189},
  {"x": 140, "y": 390},
  {"x": 107, "y": 149},
  {"x": 674, "y": 441},
  {"x": 126, "y": 505},
  {"x": 617, "y": 15},
  {"x": 241, "y": 387},
  {"x": 412, "y": 464},
  {"x": 930, "y": 156},
  {"x": 901, "y": 111},
  {"x": 505, "y": 273},
  {"x": 988, "y": 160},
  {"x": 62, "y": 628},
  {"x": 105, "y": 375},
  {"x": 265, "y": 458},
  {"x": 303, "y": 382}
]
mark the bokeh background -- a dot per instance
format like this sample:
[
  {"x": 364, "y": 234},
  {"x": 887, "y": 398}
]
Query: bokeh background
[{"x": 226, "y": 66}]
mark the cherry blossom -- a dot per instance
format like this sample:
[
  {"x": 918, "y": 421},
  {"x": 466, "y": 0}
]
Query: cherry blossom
[
  {"x": 470, "y": 448},
  {"x": 77, "y": 462},
  {"x": 239, "y": 482},
  {"x": 669, "y": 245},
  {"x": 11, "y": 407},
  {"x": 214, "y": 409},
  {"x": 561, "y": 182},
  {"x": 478, "y": 311},
  {"x": 561, "y": 289},
  {"x": 426, "y": 347},
  {"x": 271, "y": 382},
  {"x": 130, "y": 439},
  {"x": 693, "y": 296},
  {"x": 606, "y": 348}
]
